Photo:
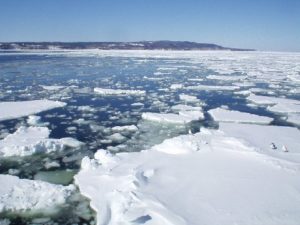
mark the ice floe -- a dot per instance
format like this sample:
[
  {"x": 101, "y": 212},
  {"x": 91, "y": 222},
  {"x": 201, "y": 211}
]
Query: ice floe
[
  {"x": 205, "y": 178},
  {"x": 224, "y": 115},
  {"x": 26, "y": 141},
  {"x": 53, "y": 87},
  {"x": 188, "y": 98},
  {"x": 30, "y": 197},
  {"x": 104, "y": 91},
  {"x": 212, "y": 88},
  {"x": 181, "y": 118},
  {"x": 226, "y": 77},
  {"x": 270, "y": 140},
  {"x": 13, "y": 110}
]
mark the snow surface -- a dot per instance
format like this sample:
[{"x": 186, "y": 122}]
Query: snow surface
[
  {"x": 226, "y": 77},
  {"x": 13, "y": 110},
  {"x": 28, "y": 196},
  {"x": 30, "y": 140},
  {"x": 212, "y": 88},
  {"x": 281, "y": 105},
  {"x": 188, "y": 98},
  {"x": 294, "y": 118},
  {"x": 260, "y": 138},
  {"x": 224, "y": 115},
  {"x": 205, "y": 178},
  {"x": 103, "y": 91},
  {"x": 52, "y": 87},
  {"x": 181, "y": 118}
]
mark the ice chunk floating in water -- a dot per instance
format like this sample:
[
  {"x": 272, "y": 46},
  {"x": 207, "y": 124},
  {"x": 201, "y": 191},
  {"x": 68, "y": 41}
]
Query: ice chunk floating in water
[
  {"x": 13, "y": 110},
  {"x": 225, "y": 115},
  {"x": 30, "y": 140},
  {"x": 28, "y": 196}
]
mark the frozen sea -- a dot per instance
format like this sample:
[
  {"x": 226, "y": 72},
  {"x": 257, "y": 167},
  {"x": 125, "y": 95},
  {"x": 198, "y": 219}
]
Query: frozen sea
[{"x": 123, "y": 102}]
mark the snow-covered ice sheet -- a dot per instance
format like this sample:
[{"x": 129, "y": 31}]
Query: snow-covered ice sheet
[
  {"x": 294, "y": 118},
  {"x": 188, "y": 98},
  {"x": 52, "y": 87},
  {"x": 181, "y": 118},
  {"x": 212, "y": 88},
  {"x": 106, "y": 91},
  {"x": 224, "y": 115},
  {"x": 30, "y": 140},
  {"x": 226, "y": 77},
  {"x": 281, "y": 105},
  {"x": 28, "y": 196},
  {"x": 205, "y": 178},
  {"x": 13, "y": 110},
  {"x": 261, "y": 137}
]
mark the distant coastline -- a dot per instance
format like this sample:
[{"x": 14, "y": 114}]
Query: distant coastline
[{"x": 139, "y": 45}]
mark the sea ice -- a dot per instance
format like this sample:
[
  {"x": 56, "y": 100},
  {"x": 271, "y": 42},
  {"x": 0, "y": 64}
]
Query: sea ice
[
  {"x": 182, "y": 118},
  {"x": 261, "y": 137},
  {"x": 52, "y": 87},
  {"x": 204, "y": 178},
  {"x": 13, "y": 110},
  {"x": 226, "y": 77},
  {"x": 212, "y": 88},
  {"x": 188, "y": 98},
  {"x": 28, "y": 196},
  {"x": 277, "y": 105},
  {"x": 30, "y": 140},
  {"x": 225, "y": 115},
  {"x": 103, "y": 91}
]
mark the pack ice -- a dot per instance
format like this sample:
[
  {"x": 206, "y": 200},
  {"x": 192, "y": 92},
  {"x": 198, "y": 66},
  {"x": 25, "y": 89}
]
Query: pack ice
[
  {"x": 211, "y": 177},
  {"x": 26, "y": 141},
  {"x": 30, "y": 197},
  {"x": 13, "y": 110}
]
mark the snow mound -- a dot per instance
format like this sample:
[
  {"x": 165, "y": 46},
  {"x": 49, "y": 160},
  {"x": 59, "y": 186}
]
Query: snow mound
[
  {"x": 13, "y": 110},
  {"x": 103, "y": 91},
  {"x": 205, "y": 178},
  {"x": 28, "y": 196},
  {"x": 30, "y": 140},
  {"x": 225, "y": 115}
]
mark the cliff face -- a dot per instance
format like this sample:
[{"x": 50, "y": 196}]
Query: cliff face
[{"x": 141, "y": 45}]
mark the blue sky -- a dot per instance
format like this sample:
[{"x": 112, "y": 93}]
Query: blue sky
[{"x": 260, "y": 24}]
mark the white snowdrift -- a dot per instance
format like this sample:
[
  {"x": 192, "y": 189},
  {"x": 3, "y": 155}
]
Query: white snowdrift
[
  {"x": 225, "y": 115},
  {"x": 13, "y": 110},
  {"x": 205, "y": 178},
  {"x": 30, "y": 140},
  {"x": 28, "y": 196},
  {"x": 104, "y": 91}
]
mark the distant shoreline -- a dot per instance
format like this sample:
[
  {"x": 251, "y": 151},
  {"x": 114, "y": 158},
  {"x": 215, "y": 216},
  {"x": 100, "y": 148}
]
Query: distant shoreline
[{"x": 140, "y": 45}]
